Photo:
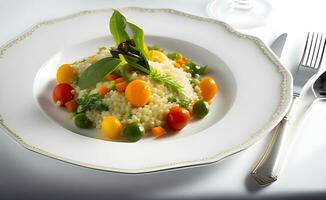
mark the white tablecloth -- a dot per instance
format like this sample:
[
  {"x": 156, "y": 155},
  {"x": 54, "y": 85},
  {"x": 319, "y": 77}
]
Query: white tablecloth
[{"x": 27, "y": 174}]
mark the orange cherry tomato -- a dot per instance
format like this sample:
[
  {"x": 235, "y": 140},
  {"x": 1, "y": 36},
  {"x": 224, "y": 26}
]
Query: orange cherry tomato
[
  {"x": 178, "y": 118},
  {"x": 138, "y": 93},
  {"x": 62, "y": 93},
  {"x": 66, "y": 73},
  {"x": 208, "y": 88}
]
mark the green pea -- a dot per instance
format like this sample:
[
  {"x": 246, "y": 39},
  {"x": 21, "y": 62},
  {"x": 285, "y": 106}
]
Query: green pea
[
  {"x": 200, "y": 108},
  {"x": 134, "y": 132},
  {"x": 82, "y": 121}
]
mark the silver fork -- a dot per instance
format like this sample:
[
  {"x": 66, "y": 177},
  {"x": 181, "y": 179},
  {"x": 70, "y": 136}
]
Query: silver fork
[{"x": 268, "y": 167}]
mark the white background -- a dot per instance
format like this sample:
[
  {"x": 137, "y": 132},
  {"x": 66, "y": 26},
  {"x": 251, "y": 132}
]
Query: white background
[{"x": 30, "y": 175}]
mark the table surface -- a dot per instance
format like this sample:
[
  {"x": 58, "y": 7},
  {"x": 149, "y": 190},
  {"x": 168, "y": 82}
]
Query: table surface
[{"x": 27, "y": 174}]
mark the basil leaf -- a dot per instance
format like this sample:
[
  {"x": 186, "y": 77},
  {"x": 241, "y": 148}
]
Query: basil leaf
[
  {"x": 138, "y": 38},
  {"x": 118, "y": 25},
  {"x": 95, "y": 73},
  {"x": 124, "y": 72},
  {"x": 137, "y": 66}
]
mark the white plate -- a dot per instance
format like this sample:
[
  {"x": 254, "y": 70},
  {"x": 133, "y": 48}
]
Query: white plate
[{"x": 255, "y": 90}]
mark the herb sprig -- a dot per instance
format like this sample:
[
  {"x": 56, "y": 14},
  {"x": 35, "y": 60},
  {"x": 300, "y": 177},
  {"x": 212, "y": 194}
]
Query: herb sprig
[{"x": 167, "y": 80}]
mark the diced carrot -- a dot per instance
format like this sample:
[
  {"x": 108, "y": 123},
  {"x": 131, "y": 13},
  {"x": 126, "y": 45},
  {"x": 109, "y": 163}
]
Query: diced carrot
[
  {"x": 102, "y": 90},
  {"x": 158, "y": 131},
  {"x": 182, "y": 61},
  {"x": 119, "y": 80},
  {"x": 71, "y": 105},
  {"x": 121, "y": 87},
  {"x": 177, "y": 65},
  {"x": 111, "y": 77}
]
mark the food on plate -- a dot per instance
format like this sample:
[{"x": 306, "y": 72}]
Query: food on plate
[
  {"x": 111, "y": 127},
  {"x": 130, "y": 90},
  {"x": 178, "y": 117},
  {"x": 134, "y": 131},
  {"x": 200, "y": 108},
  {"x": 208, "y": 88},
  {"x": 63, "y": 93}
]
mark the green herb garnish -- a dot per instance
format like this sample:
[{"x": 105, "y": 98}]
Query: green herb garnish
[
  {"x": 175, "y": 56},
  {"x": 133, "y": 62},
  {"x": 129, "y": 50},
  {"x": 169, "y": 81},
  {"x": 196, "y": 69},
  {"x": 118, "y": 25},
  {"x": 183, "y": 103},
  {"x": 138, "y": 39},
  {"x": 91, "y": 102},
  {"x": 156, "y": 47},
  {"x": 95, "y": 73}
]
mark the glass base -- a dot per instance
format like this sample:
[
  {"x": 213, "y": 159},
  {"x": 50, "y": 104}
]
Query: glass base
[{"x": 251, "y": 15}]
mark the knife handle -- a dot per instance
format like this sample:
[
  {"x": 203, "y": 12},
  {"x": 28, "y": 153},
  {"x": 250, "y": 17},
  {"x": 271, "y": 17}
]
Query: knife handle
[{"x": 269, "y": 166}]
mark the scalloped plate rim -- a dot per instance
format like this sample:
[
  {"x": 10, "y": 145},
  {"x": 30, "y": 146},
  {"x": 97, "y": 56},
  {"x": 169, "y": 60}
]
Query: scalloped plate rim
[{"x": 213, "y": 159}]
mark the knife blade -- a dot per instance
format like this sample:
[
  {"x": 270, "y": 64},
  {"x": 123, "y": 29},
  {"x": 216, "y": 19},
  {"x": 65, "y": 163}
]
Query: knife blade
[{"x": 278, "y": 44}]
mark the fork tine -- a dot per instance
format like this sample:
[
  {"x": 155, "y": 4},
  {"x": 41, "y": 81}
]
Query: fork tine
[
  {"x": 313, "y": 53},
  {"x": 309, "y": 51},
  {"x": 322, "y": 54},
  {"x": 319, "y": 48},
  {"x": 305, "y": 49}
]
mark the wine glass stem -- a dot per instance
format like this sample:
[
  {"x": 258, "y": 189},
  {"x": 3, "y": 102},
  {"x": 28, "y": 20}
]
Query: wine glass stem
[{"x": 242, "y": 4}]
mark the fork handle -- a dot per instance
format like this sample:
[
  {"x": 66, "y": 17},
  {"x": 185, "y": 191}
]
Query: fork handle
[{"x": 269, "y": 166}]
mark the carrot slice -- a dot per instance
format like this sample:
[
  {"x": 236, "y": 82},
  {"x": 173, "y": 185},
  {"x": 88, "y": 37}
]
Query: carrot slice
[
  {"x": 111, "y": 77},
  {"x": 119, "y": 80},
  {"x": 71, "y": 105},
  {"x": 102, "y": 90},
  {"x": 121, "y": 87},
  {"x": 158, "y": 131}
]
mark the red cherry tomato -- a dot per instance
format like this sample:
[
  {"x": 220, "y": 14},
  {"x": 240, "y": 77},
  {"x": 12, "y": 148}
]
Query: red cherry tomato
[
  {"x": 62, "y": 93},
  {"x": 178, "y": 118}
]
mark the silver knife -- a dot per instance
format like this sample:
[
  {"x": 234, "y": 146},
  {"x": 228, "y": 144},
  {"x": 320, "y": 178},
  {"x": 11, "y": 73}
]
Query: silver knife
[
  {"x": 278, "y": 44},
  {"x": 277, "y": 47}
]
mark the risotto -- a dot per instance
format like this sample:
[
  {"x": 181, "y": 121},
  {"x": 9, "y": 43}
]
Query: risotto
[{"x": 130, "y": 90}]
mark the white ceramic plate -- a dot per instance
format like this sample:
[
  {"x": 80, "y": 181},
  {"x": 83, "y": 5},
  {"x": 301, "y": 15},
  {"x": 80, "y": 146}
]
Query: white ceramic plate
[{"x": 255, "y": 90}]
